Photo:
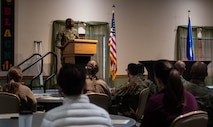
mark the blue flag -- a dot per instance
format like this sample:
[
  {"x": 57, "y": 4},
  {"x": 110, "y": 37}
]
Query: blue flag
[{"x": 189, "y": 43}]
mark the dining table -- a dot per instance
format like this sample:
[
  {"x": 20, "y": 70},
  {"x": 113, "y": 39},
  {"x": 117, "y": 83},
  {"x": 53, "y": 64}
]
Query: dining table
[{"x": 11, "y": 120}]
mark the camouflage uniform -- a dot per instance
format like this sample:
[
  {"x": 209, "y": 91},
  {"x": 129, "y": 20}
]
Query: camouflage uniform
[
  {"x": 184, "y": 81},
  {"x": 93, "y": 84},
  {"x": 65, "y": 36},
  {"x": 127, "y": 96},
  {"x": 204, "y": 97},
  {"x": 148, "y": 83},
  {"x": 97, "y": 86}
]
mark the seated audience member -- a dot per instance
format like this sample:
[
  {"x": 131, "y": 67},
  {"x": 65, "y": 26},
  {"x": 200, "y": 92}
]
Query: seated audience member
[
  {"x": 171, "y": 101},
  {"x": 93, "y": 83},
  {"x": 181, "y": 67},
  {"x": 127, "y": 95},
  {"x": 148, "y": 83},
  {"x": 76, "y": 109},
  {"x": 198, "y": 88},
  {"x": 16, "y": 86}
]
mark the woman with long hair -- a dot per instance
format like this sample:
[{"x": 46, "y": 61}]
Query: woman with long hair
[{"x": 170, "y": 101}]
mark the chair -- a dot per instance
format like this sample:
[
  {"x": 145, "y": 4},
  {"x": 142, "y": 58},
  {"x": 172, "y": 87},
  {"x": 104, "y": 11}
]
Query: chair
[
  {"x": 143, "y": 96},
  {"x": 9, "y": 103},
  {"x": 100, "y": 99},
  {"x": 191, "y": 119}
]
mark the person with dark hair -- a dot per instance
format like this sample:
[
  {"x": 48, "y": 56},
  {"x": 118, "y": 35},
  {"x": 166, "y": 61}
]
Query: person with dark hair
[
  {"x": 171, "y": 101},
  {"x": 76, "y": 109},
  {"x": 132, "y": 83},
  {"x": 93, "y": 83},
  {"x": 197, "y": 84},
  {"x": 127, "y": 95},
  {"x": 16, "y": 86},
  {"x": 69, "y": 33},
  {"x": 66, "y": 35},
  {"x": 198, "y": 88}
]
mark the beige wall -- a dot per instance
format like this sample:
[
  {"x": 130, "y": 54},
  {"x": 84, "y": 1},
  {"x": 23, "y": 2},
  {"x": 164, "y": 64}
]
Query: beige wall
[{"x": 146, "y": 29}]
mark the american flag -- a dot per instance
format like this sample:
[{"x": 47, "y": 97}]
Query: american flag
[{"x": 112, "y": 44}]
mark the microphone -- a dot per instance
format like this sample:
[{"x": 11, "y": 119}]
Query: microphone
[{"x": 76, "y": 37}]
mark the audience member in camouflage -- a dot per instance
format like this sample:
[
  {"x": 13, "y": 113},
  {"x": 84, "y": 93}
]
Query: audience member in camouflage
[
  {"x": 148, "y": 83},
  {"x": 93, "y": 83},
  {"x": 198, "y": 88},
  {"x": 181, "y": 67},
  {"x": 126, "y": 96}
]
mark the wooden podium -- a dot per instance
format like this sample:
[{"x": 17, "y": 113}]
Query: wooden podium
[{"x": 79, "y": 51}]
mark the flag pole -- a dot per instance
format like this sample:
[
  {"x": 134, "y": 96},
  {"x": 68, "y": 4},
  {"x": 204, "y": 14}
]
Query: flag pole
[{"x": 189, "y": 13}]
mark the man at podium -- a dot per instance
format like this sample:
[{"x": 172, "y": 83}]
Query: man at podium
[{"x": 66, "y": 35}]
